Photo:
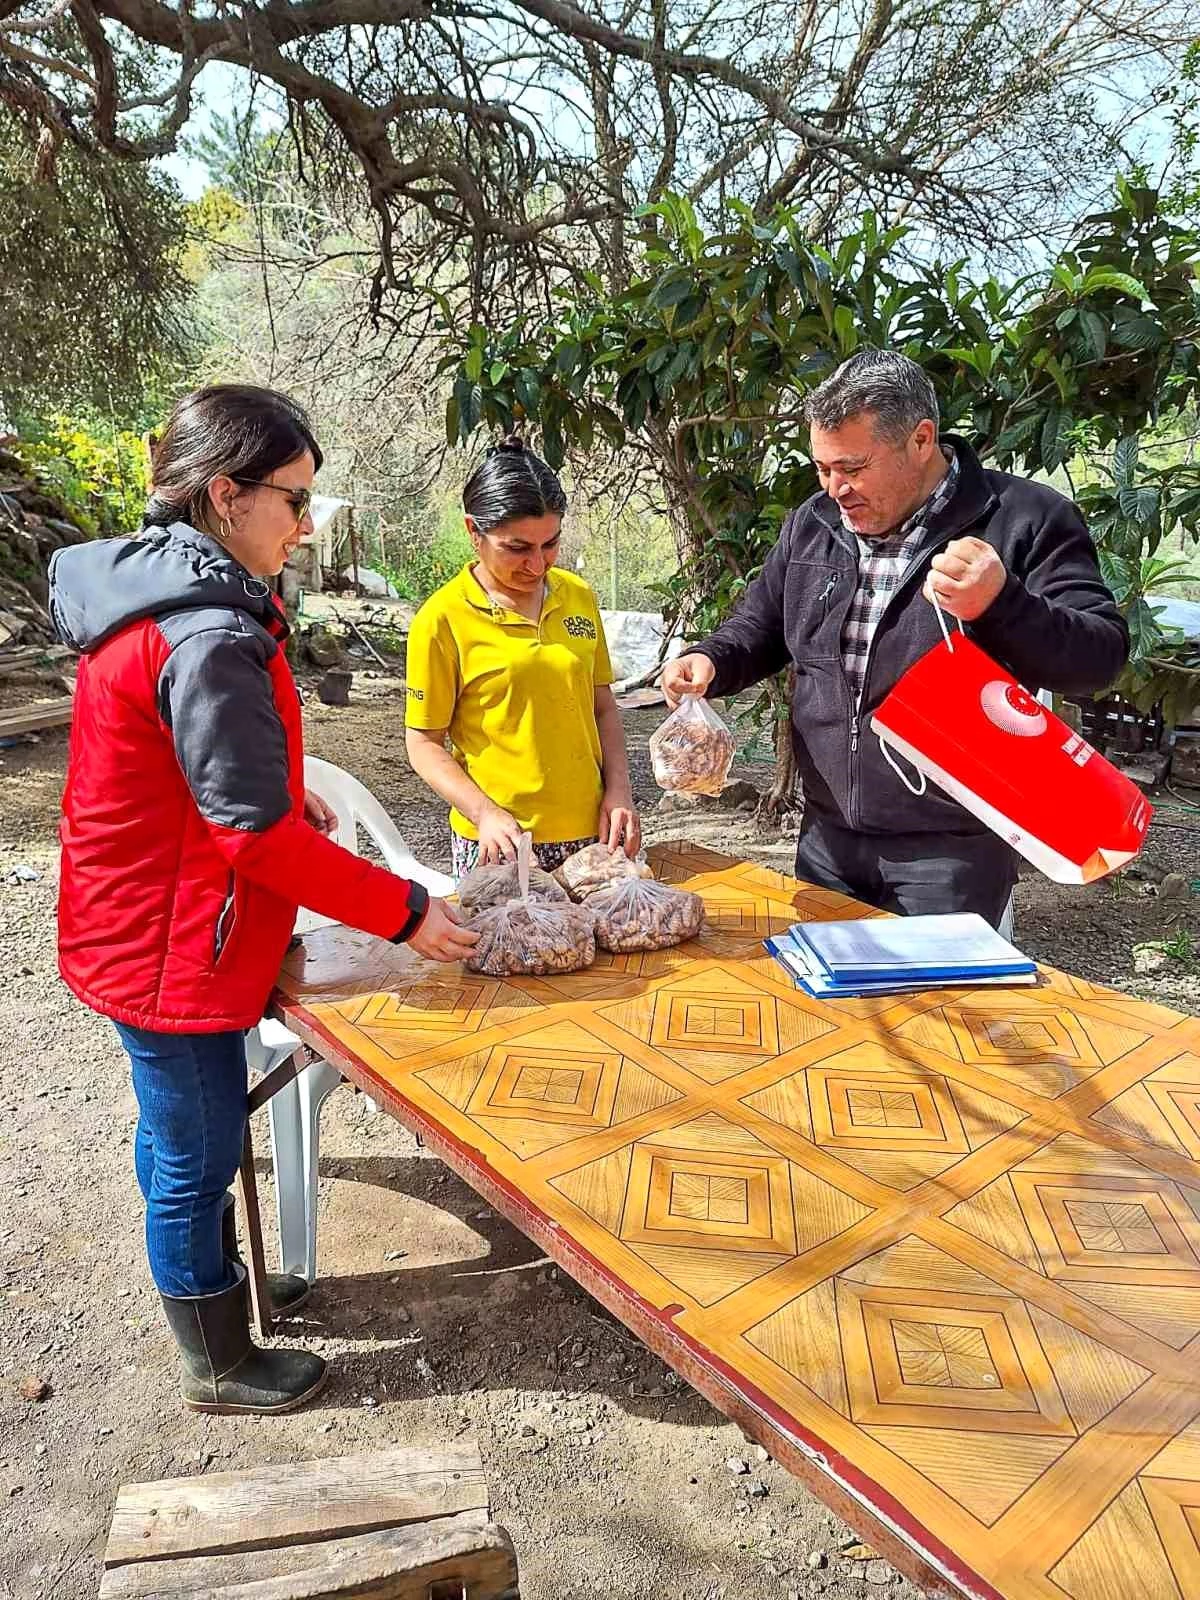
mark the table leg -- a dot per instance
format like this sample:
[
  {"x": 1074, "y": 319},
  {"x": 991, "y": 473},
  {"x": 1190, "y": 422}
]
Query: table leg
[{"x": 260, "y": 1302}]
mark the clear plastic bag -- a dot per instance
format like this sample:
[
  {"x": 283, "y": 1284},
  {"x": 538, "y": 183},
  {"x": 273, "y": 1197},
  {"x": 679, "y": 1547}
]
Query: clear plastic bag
[
  {"x": 597, "y": 867},
  {"x": 693, "y": 750},
  {"x": 526, "y": 937},
  {"x": 531, "y": 939},
  {"x": 494, "y": 885},
  {"x": 639, "y": 915}
]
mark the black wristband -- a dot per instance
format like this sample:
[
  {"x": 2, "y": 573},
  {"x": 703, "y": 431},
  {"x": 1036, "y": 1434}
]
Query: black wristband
[{"x": 418, "y": 905}]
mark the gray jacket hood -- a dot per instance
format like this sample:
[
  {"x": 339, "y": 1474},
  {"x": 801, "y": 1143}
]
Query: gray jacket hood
[{"x": 98, "y": 588}]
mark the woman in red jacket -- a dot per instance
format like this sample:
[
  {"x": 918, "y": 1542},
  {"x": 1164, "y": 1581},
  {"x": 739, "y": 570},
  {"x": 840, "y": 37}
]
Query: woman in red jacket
[{"x": 188, "y": 842}]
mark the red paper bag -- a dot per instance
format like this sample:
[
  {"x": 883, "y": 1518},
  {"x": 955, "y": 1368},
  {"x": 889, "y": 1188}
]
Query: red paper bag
[{"x": 963, "y": 722}]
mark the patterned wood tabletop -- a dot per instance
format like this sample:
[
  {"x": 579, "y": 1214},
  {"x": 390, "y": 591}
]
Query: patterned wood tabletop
[{"x": 941, "y": 1253}]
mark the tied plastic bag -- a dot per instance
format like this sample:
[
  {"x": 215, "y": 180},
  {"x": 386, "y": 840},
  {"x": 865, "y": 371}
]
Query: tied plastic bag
[
  {"x": 529, "y": 938},
  {"x": 640, "y": 915},
  {"x": 597, "y": 867},
  {"x": 693, "y": 750},
  {"x": 494, "y": 885}
]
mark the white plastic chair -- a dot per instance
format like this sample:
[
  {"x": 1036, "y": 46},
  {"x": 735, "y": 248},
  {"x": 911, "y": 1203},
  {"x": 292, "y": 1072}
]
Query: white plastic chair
[{"x": 294, "y": 1113}]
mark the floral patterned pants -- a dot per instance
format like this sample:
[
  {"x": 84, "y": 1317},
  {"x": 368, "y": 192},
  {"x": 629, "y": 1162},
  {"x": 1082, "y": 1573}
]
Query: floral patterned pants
[{"x": 464, "y": 853}]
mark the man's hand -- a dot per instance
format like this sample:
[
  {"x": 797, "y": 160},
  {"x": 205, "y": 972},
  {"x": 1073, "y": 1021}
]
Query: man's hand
[
  {"x": 619, "y": 822},
  {"x": 690, "y": 674},
  {"x": 965, "y": 578},
  {"x": 441, "y": 937},
  {"x": 322, "y": 816},
  {"x": 499, "y": 836}
]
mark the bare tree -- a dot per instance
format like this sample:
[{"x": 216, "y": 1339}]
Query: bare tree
[{"x": 498, "y": 135}]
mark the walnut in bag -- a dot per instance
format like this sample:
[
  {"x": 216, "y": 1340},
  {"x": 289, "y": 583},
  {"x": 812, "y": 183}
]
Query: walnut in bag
[
  {"x": 493, "y": 885},
  {"x": 636, "y": 915},
  {"x": 597, "y": 867},
  {"x": 526, "y": 937},
  {"x": 693, "y": 750},
  {"x": 529, "y": 938}
]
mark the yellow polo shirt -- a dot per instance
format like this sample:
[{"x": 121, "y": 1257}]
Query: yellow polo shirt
[{"x": 518, "y": 699}]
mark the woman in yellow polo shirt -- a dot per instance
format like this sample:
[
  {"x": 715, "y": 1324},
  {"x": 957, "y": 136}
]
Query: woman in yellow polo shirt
[{"x": 508, "y": 662}]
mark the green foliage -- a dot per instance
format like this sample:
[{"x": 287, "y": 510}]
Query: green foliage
[
  {"x": 98, "y": 472},
  {"x": 421, "y": 560},
  {"x": 645, "y": 549},
  {"x": 1183, "y": 196},
  {"x": 91, "y": 293},
  {"x": 1131, "y": 510},
  {"x": 707, "y": 354}
]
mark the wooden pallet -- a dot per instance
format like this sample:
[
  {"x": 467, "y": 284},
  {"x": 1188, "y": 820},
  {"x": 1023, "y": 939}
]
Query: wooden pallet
[
  {"x": 939, "y": 1253},
  {"x": 402, "y": 1524},
  {"x": 31, "y": 719}
]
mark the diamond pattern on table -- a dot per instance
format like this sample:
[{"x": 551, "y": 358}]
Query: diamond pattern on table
[
  {"x": 1121, "y": 1555},
  {"x": 1019, "y": 1037},
  {"x": 708, "y": 1205},
  {"x": 1119, "y": 1235},
  {"x": 414, "y": 1016},
  {"x": 897, "y": 1123},
  {"x": 717, "y": 1025},
  {"x": 945, "y": 1360},
  {"x": 1163, "y": 1109},
  {"x": 548, "y": 1087},
  {"x": 949, "y": 1370}
]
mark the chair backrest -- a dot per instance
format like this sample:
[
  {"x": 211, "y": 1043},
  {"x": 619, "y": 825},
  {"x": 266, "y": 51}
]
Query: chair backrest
[{"x": 355, "y": 807}]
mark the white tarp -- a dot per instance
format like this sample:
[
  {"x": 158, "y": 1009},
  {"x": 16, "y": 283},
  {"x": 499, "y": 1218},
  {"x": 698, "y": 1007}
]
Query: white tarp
[
  {"x": 1184, "y": 614},
  {"x": 371, "y": 582},
  {"x": 635, "y": 643}
]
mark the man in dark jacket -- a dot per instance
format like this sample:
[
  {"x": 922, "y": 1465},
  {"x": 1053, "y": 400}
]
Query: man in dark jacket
[{"x": 844, "y": 599}]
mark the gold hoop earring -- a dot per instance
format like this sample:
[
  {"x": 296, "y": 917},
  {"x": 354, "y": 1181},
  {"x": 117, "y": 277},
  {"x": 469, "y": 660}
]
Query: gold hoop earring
[{"x": 224, "y": 530}]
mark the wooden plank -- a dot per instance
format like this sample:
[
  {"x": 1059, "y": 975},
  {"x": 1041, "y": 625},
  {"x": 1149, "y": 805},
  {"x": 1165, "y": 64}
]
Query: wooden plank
[
  {"x": 300, "y": 1502},
  {"x": 49, "y": 714},
  {"x": 28, "y": 655},
  {"x": 466, "y": 1552}
]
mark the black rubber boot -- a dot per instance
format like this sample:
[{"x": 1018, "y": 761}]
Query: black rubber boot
[
  {"x": 223, "y": 1370},
  {"x": 285, "y": 1290}
]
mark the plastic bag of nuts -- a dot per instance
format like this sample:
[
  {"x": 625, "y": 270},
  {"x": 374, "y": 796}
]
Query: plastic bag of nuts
[
  {"x": 640, "y": 915},
  {"x": 693, "y": 750},
  {"x": 529, "y": 938},
  {"x": 597, "y": 867},
  {"x": 493, "y": 885}
]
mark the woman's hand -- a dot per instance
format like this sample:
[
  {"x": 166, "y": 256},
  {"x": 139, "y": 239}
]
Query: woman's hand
[
  {"x": 619, "y": 822},
  {"x": 322, "y": 817},
  {"x": 499, "y": 835},
  {"x": 441, "y": 937}
]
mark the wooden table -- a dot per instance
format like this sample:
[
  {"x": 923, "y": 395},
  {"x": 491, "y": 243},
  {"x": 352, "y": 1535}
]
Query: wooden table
[{"x": 939, "y": 1254}]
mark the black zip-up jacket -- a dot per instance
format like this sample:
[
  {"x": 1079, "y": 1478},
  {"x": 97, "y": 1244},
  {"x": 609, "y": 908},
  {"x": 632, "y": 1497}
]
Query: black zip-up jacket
[{"x": 1054, "y": 625}]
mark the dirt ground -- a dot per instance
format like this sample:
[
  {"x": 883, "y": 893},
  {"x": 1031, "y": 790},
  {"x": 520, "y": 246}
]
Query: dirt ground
[{"x": 440, "y": 1320}]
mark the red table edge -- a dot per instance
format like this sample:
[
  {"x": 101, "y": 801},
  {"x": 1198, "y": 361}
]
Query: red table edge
[{"x": 875, "y": 1514}]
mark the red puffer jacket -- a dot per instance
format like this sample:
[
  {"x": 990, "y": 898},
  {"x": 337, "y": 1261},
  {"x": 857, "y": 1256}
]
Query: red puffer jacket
[{"x": 185, "y": 849}]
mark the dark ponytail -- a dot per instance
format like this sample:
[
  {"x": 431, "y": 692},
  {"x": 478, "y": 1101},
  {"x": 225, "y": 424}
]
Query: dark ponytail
[
  {"x": 231, "y": 430},
  {"x": 509, "y": 483}
]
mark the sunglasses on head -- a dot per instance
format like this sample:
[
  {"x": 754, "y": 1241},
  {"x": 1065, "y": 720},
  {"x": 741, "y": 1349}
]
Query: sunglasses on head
[{"x": 299, "y": 499}]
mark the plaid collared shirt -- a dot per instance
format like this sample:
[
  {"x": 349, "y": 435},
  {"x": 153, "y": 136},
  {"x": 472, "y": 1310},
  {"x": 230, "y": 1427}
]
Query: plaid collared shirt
[{"x": 881, "y": 565}]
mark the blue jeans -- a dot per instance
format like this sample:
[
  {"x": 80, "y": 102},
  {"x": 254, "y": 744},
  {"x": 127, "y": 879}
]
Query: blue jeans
[{"x": 191, "y": 1093}]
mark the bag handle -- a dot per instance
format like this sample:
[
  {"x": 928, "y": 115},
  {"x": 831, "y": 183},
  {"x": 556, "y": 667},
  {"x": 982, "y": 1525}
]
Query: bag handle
[
  {"x": 912, "y": 788},
  {"x": 941, "y": 616},
  {"x": 524, "y": 855}
]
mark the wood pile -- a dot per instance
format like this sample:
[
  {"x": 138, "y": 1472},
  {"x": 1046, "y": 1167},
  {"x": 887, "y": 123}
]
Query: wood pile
[{"x": 36, "y": 679}]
